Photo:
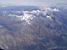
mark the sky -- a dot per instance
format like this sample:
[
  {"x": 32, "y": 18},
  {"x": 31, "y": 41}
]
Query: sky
[{"x": 32, "y": 2}]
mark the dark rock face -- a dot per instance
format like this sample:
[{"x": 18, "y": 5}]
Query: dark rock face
[
  {"x": 1, "y": 49},
  {"x": 33, "y": 29}
]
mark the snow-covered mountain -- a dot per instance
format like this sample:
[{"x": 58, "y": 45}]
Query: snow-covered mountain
[{"x": 33, "y": 29}]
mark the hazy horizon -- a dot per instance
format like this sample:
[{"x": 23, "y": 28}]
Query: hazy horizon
[{"x": 32, "y": 2}]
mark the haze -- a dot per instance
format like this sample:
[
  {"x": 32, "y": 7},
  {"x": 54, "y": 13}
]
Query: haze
[{"x": 32, "y": 2}]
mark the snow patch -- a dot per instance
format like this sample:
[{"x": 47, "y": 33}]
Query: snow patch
[{"x": 49, "y": 17}]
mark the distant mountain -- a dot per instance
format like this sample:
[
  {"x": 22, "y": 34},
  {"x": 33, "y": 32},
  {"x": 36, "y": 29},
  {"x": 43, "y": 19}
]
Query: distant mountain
[
  {"x": 17, "y": 8},
  {"x": 31, "y": 28}
]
